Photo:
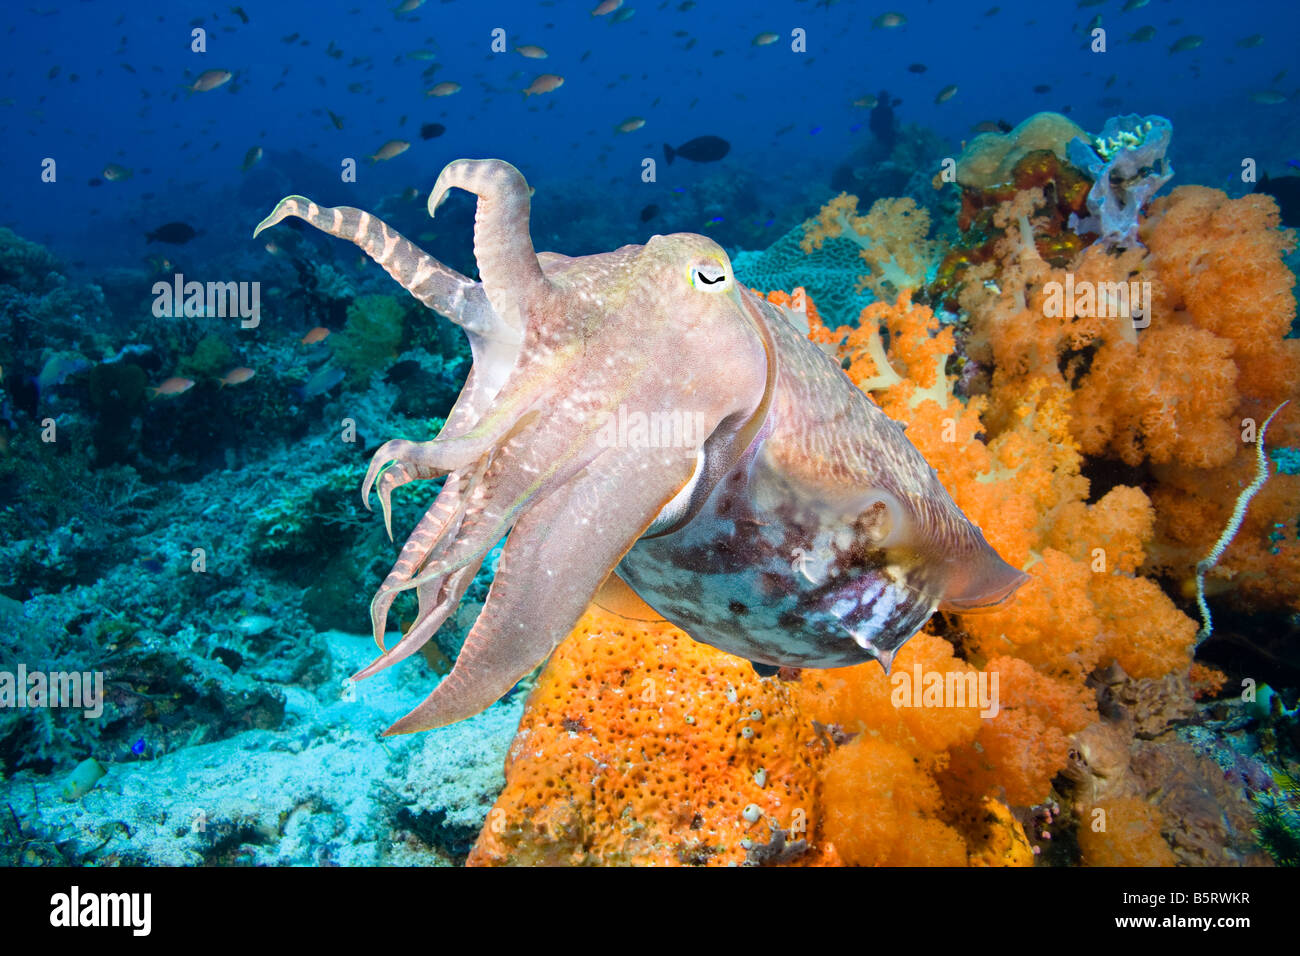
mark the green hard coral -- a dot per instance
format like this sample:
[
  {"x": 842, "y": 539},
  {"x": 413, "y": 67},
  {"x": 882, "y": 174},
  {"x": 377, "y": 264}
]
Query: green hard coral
[
  {"x": 829, "y": 274},
  {"x": 371, "y": 337}
]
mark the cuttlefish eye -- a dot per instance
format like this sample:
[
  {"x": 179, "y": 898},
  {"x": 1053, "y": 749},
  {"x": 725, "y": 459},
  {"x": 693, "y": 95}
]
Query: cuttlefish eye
[{"x": 710, "y": 276}]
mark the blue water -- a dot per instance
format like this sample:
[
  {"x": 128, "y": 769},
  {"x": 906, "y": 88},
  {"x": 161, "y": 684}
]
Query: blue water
[{"x": 788, "y": 116}]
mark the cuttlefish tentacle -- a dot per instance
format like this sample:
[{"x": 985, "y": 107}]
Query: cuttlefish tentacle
[
  {"x": 436, "y": 522},
  {"x": 442, "y": 289},
  {"x": 503, "y": 248},
  {"x": 547, "y": 576}
]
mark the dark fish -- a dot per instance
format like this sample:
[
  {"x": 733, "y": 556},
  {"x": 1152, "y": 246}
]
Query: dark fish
[
  {"x": 152, "y": 565},
  {"x": 335, "y": 119},
  {"x": 402, "y": 371},
  {"x": 1286, "y": 190},
  {"x": 176, "y": 233},
  {"x": 916, "y": 68},
  {"x": 432, "y": 130},
  {"x": 649, "y": 212},
  {"x": 239, "y": 12},
  {"x": 1042, "y": 88},
  {"x": 702, "y": 149},
  {"x": 95, "y": 182}
]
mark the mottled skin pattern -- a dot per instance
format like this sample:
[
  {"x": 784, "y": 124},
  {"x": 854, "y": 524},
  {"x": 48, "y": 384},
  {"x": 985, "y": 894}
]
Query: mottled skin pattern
[{"x": 794, "y": 524}]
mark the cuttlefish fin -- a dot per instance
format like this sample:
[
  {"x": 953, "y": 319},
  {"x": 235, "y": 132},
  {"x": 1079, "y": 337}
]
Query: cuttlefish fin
[
  {"x": 555, "y": 559},
  {"x": 617, "y": 597},
  {"x": 982, "y": 582}
]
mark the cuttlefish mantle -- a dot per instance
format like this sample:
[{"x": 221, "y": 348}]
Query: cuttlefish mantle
[{"x": 639, "y": 413}]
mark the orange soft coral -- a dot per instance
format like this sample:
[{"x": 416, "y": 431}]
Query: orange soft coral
[{"x": 892, "y": 237}]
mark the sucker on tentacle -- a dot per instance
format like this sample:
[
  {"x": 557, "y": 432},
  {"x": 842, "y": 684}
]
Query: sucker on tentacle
[{"x": 639, "y": 411}]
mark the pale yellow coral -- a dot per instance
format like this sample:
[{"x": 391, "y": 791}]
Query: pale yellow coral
[{"x": 892, "y": 237}]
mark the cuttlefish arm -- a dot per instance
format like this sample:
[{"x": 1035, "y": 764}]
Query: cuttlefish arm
[{"x": 652, "y": 332}]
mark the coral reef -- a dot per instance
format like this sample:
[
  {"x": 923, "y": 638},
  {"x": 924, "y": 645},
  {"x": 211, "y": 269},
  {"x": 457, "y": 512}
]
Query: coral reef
[
  {"x": 891, "y": 240},
  {"x": 990, "y": 159},
  {"x": 829, "y": 273},
  {"x": 1128, "y": 166},
  {"x": 640, "y": 746}
]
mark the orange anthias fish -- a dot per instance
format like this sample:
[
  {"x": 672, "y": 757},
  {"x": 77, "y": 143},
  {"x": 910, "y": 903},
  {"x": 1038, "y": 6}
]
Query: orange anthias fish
[
  {"x": 173, "y": 386},
  {"x": 237, "y": 376},
  {"x": 318, "y": 334}
]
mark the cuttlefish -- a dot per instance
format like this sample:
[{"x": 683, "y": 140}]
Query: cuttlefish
[{"x": 640, "y": 419}]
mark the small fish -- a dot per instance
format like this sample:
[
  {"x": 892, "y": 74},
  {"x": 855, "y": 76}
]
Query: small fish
[
  {"x": 1042, "y": 88},
  {"x": 947, "y": 93},
  {"x": 406, "y": 6},
  {"x": 291, "y": 38},
  {"x": 210, "y": 80},
  {"x": 82, "y": 779},
  {"x": 888, "y": 21},
  {"x": 1268, "y": 97},
  {"x": 702, "y": 149},
  {"x": 1293, "y": 163},
  {"x": 255, "y": 624},
  {"x": 631, "y": 124},
  {"x": 545, "y": 83},
  {"x": 987, "y": 126},
  {"x": 335, "y": 119},
  {"x": 176, "y": 233},
  {"x": 531, "y": 51},
  {"x": 606, "y": 7},
  {"x": 58, "y": 369},
  {"x": 176, "y": 385},
  {"x": 627, "y": 13},
  {"x": 868, "y": 102},
  {"x": 137, "y": 748},
  {"x": 1255, "y": 39},
  {"x": 320, "y": 383},
  {"x": 394, "y": 147},
  {"x": 318, "y": 334},
  {"x": 94, "y": 181},
  {"x": 917, "y": 68},
  {"x": 445, "y": 88},
  {"x": 764, "y": 39},
  {"x": 1135, "y": 5},
  {"x": 432, "y": 130},
  {"x": 649, "y": 212},
  {"x": 1190, "y": 42},
  {"x": 237, "y": 376},
  {"x": 239, "y": 12},
  {"x": 115, "y": 173},
  {"x": 422, "y": 55},
  {"x": 251, "y": 158},
  {"x": 1143, "y": 34}
]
